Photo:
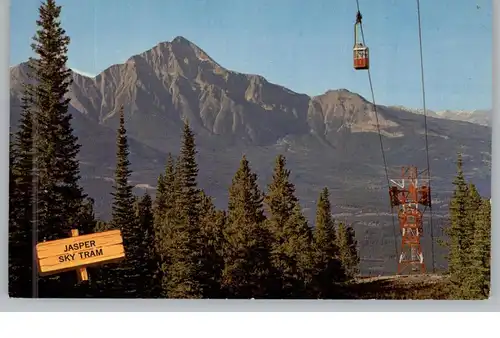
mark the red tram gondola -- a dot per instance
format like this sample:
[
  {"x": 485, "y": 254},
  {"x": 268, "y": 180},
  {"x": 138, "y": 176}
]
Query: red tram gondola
[{"x": 360, "y": 51}]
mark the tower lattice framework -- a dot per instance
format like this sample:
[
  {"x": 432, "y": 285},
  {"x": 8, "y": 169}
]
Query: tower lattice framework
[{"x": 412, "y": 195}]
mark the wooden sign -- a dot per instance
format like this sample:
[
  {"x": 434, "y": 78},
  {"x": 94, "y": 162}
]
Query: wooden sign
[{"x": 79, "y": 252}]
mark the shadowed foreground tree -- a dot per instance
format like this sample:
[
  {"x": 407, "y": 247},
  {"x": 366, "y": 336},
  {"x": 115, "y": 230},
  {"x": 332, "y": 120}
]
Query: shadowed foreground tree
[
  {"x": 124, "y": 280},
  {"x": 472, "y": 204},
  {"x": 21, "y": 254},
  {"x": 348, "y": 250},
  {"x": 60, "y": 201},
  {"x": 468, "y": 240},
  {"x": 328, "y": 270},
  {"x": 164, "y": 198},
  {"x": 212, "y": 223},
  {"x": 184, "y": 253},
  {"x": 248, "y": 271},
  {"x": 151, "y": 279},
  {"x": 164, "y": 217},
  {"x": 481, "y": 253},
  {"x": 455, "y": 233},
  {"x": 292, "y": 237}
]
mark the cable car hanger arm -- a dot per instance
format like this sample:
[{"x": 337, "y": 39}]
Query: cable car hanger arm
[{"x": 359, "y": 17}]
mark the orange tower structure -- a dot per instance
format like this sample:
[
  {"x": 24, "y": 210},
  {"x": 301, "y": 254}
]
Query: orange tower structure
[{"x": 411, "y": 193}]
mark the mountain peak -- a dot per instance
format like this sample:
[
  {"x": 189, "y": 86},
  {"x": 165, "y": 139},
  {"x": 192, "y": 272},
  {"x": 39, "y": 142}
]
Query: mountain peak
[
  {"x": 181, "y": 39},
  {"x": 183, "y": 47},
  {"x": 342, "y": 93},
  {"x": 182, "y": 42}
]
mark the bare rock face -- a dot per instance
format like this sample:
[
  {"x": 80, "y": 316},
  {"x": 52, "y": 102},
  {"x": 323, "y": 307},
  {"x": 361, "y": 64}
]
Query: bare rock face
[{"x": 178, "y": 80}]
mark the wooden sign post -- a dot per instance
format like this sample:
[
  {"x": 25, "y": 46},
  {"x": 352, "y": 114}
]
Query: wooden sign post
[
  {"x": 81, "y": 273},
  {"x": 79, "y": 252}
]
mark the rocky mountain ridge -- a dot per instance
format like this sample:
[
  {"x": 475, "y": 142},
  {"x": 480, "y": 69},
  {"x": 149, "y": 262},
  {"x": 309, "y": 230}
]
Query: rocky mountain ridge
[{"x": 477, "y": 116}]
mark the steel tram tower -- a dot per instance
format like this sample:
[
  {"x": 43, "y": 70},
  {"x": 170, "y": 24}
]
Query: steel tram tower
[{"x": 411, "y": 193}]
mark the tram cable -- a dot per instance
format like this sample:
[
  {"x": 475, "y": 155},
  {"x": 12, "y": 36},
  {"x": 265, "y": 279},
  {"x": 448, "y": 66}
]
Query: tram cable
[
  {"x": 379, "y": 134},
  {"x": 425, "y": 128}
]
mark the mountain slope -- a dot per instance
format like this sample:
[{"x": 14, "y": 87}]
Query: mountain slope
[
  {"x": 329, "y": 140},
  {"x": 481, "y": 117}
]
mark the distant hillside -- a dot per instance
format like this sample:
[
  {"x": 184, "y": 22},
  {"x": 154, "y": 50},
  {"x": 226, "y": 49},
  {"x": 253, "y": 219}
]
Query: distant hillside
[{"x": 481, "y": 117}]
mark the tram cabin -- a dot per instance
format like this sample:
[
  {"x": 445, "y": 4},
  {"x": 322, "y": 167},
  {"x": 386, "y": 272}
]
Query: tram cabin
[
  {"x": 360, "y": 51},
  {"x": 361, "y": 57}
]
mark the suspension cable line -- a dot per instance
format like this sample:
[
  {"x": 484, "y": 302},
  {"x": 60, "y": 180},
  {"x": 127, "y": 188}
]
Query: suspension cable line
[
  {"x": 425, "y": 128},
  {"x": 379, "y": 134}
]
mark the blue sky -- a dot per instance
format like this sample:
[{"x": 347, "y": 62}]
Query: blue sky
[{"x": 303, "y": 45}]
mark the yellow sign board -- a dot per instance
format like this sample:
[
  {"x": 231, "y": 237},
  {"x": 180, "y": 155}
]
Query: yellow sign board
[{"x": 79, "y": 251}]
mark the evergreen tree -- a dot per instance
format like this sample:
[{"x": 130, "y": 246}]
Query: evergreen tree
[
  {"x": 21, "y": 258},
  {"x": 144, "y": 213},
  {"x": 165, "y": 218},
  {"x": 472, "y": 205},
  {"x": 473, "y": 202},
  {"x": 481, "y": 254},
  {"x": 101, "y": 226},
  {"x": 164, "y": 202},
  {"x": 348, "y": 251},
  {"x": 212, "y": 223},
  {"x": 57, "y": 147},
  {"x": 159, "y": 202},
  {"x": 328, "y": 269},
  {"x": 21, "y": 253},
  {"x": 151, "y": 279},
  {"x": 88, "y": 224},
  {"x": 86, "y": 214},
  {"x": 248, "y": 271},
  {"x": 12, "y": 186},
  {"x": 158, "y": 210},
  {"x": 184, "y": 256},
  {"x": 124, "y": 280},
  {"x": 457, "y": 230},
  {"x": 99, "y": 281},
  {"x": 55, "y": 169},
  {"x": 292, "y": 236}
]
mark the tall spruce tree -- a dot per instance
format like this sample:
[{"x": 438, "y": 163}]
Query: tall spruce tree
[
  {"x": 151, "y": 280},
  {"x": 292, "y": 237},
  {"x": 57, "y": 147},
  {"x": 457, "y": 230},
  {"x": 184, "y": 255},
  {"x": 164, "y": 202},
  {"x": 248, "y": 270},
  {"x": 12, "y": 192},
  {"x": 481, "y": 254},
  {"x": 168, "y": 224},
  {"x": 328, "y": 269},
  {"x": 124, "y": 280},
  {"x": 165, "y": 217},
  {"x": 159, "y": 202},
  {"x": 56, "y": 190},
  {"x": 347, "y": 248},
  {"x": 21, "y": 253},
  {"x": 212, "y": 223},
  {"x": 473, "y": 202}
]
